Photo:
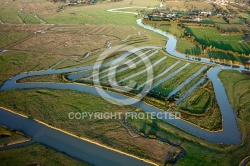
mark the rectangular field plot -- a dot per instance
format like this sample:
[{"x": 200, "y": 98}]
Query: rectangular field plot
[
  {"x": 212, "y": 37},
  {"x": 7, "y": 38},
  {"x": 169, "y": 85}
]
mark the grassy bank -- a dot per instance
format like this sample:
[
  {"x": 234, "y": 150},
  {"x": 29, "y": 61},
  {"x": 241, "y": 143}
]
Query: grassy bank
[
  {"x": 44, "y": 78},
  {"x": 199, "y": 152},
  {"x": 237, "y": 88},
  {"x": 14, "y": 62},
  {"x": 201, "y": 108},
  {"x": 8, "y": 137},
  {"x": 53, "y": 107},
  {"x": 37, "y": 154}
]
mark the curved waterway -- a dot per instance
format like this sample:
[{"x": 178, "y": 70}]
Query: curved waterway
[
  {"x": 62, "y": 142},
  {"x": 99, "y": 155},
  {"x": 171, "y": 48},
  {"x": 228, "y": 117}
]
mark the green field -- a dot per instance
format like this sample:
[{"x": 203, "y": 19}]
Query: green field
[
  {"x": 238, "y": 91},
  {"x": 188, "y": 47},
  {"x": 8, "y": 137},
  {"x": 80, "y": 14},
  {"x": 12, "y": 63},
  {"x": 7, "y": 38},
  {"x": 199, "y": 152},
  {"x": 212, "y": 37},
  {"x": 183, "y": 45},
  {"x": 139, "y": 68},
  {"x": 186, "y": 87},
  {"x": 37, "y": 154},
  {"x": 202, "y": 104},
  {"x": 233, "y": 28},
  {"x": 222, "y": 57},
  {"x": 43, "y": 78},
  {"x": 111, "y": 132},
  {"x": 72, "y": 31},
  {"x": 166, "y": 87},
  {"x": 28, "y": 19},
  {"x": 10, "y": 16}
]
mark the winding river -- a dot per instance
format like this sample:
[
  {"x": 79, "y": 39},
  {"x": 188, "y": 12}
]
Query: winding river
[
  {"x": 63, "y": 142},
  {"x": 99, "y": 155},
  {"x": 229, "y": 119}
]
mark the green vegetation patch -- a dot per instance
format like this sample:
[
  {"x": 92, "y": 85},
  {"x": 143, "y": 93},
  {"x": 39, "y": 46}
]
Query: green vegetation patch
[
  {"x": 212, "y": 37},
  {"x": 7, "y": 38},
  {"x": 12, "y": 63},
  {"x": 166, "y": 87},
  {"x": 8, "y": 137},
  {"x": 237, "y": 87},
  {"x": 44, "y": 78},
  {"x": 29, "y": 19},
  {"x": 199, "y": 152},
  {"x": 37, "y": 154},
  {"x": 188, "y": 47},
  {"x": 53, "y": 107}
]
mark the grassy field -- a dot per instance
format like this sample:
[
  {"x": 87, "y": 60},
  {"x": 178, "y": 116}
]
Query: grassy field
[
  {"x": 139, "y": 68},
  {"x": 177, "y": 80},
  {"x": 198, "y": 103},
  {"x": 185, "y": 5},
  {"x": 67, "y": 43},
  {"x": 219, "y": 56},
  {"x": 212, "y": 37},
  {"x": 7, "y": 38},
  {"x": 76, "y": 40},
  {"x": 219, "y": 21},
  {"x": 170, "y": 28},
  {"x": 76, "y": 15},
  {"x": 202, "y": 103},
  {"x": 37, "y": 154},
  {"x": 170, "y": 71},
  {"x": 199, "y": 6},
  {"x": 183, "y": 45},
  {"x": 238, "y": 91},
  {"x": 80, "y": 61},
  {"x": 112, "y": 132},
  {"x": 8, "y": 137},
  {"x": 28, "y": 19},
  {"x": 43, "y": 78},
  {"x": 10, "y": 16},
  {"x": 13, "y": 62},
  {"x": 186, "y": 87},
  {"x": 93, "y": 27},
  {"x": 166, "y": 87},
  {"x": 92, "y": 14},
  {"x": 69, "y": 63},
  {"x": 199, "y": 152},
  {"x": 158, "y": 69},
  {"x": 187, "y": 47},
  {"x": 234, "y": 28}
]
